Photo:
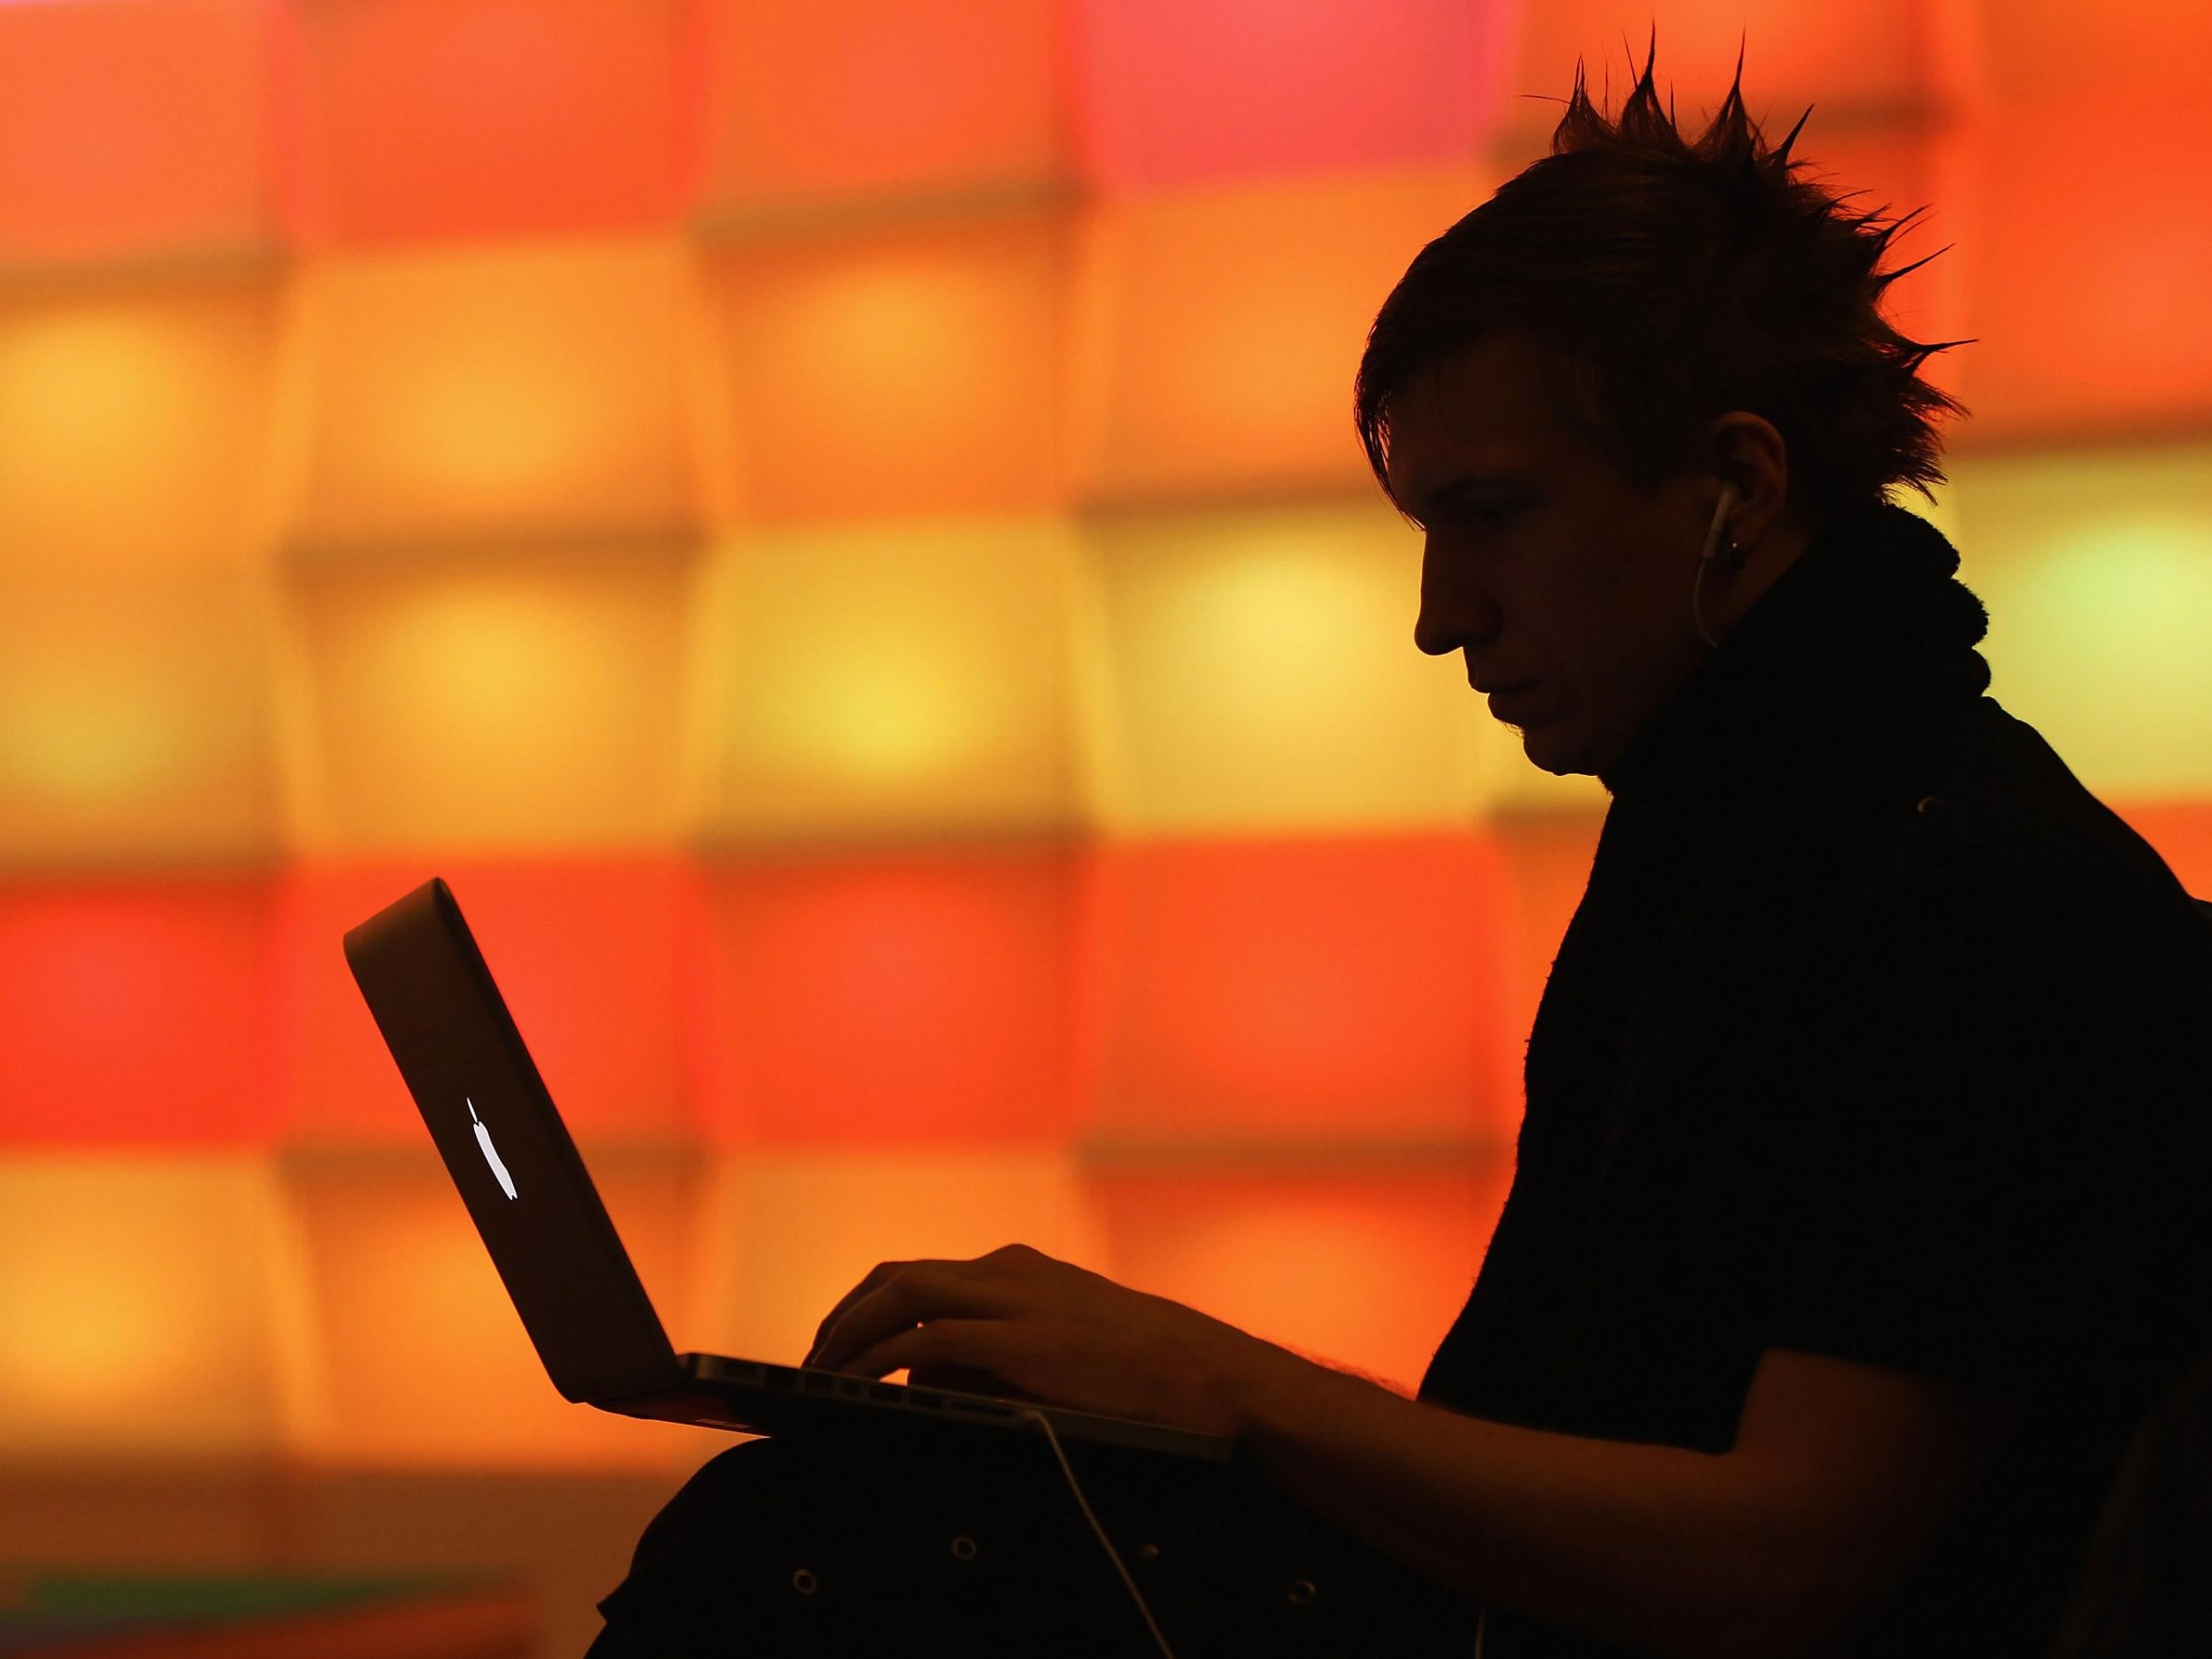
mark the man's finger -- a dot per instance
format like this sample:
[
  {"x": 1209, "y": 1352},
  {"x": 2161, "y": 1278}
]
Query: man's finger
[{"x": 924, "y": 1291}]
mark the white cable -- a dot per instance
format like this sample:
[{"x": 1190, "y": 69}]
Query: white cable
[{"x": 1038, "y": 1418}]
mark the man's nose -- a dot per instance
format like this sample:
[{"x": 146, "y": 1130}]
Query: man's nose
[{"x": 1454, "y": 612}]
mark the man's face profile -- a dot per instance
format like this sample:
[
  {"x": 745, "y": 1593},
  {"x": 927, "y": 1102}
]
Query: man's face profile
[{"x": 1565, "y": 589}]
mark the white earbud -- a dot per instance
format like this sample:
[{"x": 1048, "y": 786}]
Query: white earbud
[{"x": 1704, "y": 562}]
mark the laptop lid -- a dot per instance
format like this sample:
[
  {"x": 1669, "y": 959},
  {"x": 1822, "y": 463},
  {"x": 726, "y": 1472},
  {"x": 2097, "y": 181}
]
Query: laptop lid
[{"x": 509, "y": 1154}]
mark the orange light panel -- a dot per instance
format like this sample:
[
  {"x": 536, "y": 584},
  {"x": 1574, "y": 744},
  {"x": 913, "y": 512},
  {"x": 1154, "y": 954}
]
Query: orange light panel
[
  {"x": 421, "y": 1360},
  {"x": 130, "y": 423},
  {"x": 133, "y": 722},
  {"x": 454, "y": 118},
  {"x": 131, "y": 127},
  {"x": 136, "y": 1014},
  {"x": 909, "y": 1000},
  {"x": 1315, "y": 992},
  {"x": 905, "y": 373},
  {"x": 489, "y": 703},
  {"x": 2182, "y": 833},
  {"x": 2140, "y": 356},
  {"x": 1219, "y": 329},
  {"x": 858, "y": 683},
  {"x": 874, "y": 98},
  {"x": 589, "y": 956},
  {"x": 1365, "y": 1270},
  {"x": 144, "y": 1320},
  {"x": 1170, "y": 90},
  {"x": 1790, "y": 59},
  {"x": 497, "y": 393}
]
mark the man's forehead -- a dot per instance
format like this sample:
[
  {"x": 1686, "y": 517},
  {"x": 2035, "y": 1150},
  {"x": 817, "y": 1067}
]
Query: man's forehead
[{"x": 1474, "y": 418}]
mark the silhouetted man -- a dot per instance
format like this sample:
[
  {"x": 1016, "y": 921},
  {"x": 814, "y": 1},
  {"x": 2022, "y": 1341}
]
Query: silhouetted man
[{"x": 1856, "y": 1213}]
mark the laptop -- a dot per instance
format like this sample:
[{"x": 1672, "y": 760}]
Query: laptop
[{"x": 557, "y": 1249}]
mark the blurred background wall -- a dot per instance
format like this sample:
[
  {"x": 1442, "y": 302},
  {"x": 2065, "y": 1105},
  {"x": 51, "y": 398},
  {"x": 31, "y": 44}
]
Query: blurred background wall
[{"x": 837, "y": 528}]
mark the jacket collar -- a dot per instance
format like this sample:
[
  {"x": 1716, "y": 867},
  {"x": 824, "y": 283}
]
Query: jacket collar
[{"x": 1867, "y": 632}]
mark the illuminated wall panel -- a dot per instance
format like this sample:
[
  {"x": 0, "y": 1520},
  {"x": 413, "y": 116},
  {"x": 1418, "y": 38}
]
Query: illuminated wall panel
[
  {"x": 419, "y": 1358},
  {"x": 589, "y": 955},
  {"x": 130, "y": 127},
  {"x": 1259, "y": 672},
  {"x": 135, "y": 1014},
  {"x": 1792, "y": 57},
  {"x": 910, "y": 372},
  {"x": 2097, "y": 571},
  {"x": 1219, "y": 330},
  {"x": 503, "y": 391},
  {"x": 2049, "y": 48},
  {"x": 133, "y": 722},
  {"x": 873, "y": 681},
  {"x": 1364, "y": 1268},
  {"x": 128, "y": 421},
  {"x": 493, "y": 117},
  {"x": 2182, "y": 833},
  {"x": 871, "y": 99},
  {"x": 785, "y": 1236},
  {"x": 142, "y": 1318},
  {"x": 488, "y": 701},
  {"x": 2096, "y": 255},
  {"x": 1547, "y": 859},
  {"x": 909, "y": 1000},
  {"x": 1332, "y": 991},
  {"x": 1170, "y": 91}
]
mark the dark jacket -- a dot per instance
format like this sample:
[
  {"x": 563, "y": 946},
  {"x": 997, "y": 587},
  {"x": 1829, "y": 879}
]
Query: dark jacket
[{"x": 1875, "y": 1035}]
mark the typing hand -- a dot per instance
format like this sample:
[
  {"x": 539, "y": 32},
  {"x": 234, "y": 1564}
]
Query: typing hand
[{"x": 1040, "y": 1329}]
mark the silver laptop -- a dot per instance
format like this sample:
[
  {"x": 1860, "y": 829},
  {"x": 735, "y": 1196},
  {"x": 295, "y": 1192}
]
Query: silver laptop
[{"x": 557, "y": 1249}]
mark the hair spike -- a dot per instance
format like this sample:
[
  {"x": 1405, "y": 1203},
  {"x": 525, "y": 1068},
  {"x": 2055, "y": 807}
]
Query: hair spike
[{"x": 1667, "y": 281}]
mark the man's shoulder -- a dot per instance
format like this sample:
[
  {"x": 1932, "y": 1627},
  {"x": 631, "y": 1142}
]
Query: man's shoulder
[{"x": 1993, "y": 837}]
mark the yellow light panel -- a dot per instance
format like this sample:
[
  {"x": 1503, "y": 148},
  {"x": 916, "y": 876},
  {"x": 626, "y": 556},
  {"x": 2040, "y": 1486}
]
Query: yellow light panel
[
  {"x": 134, "y": 721},
  {"x": 785, "y": 1236},
  {"x": 1218, "y": 330},
  {"x": 479, "y": 701},
  {"x": 499, "y": 391},
  {"x": 142, "y": 1307},
  {"x": 864, "y": 681},
  {"x": 420, "y": 1360},
  {"x": 912, "y": 372},
  {"x": 129, "y": 435},
  {"x": 1257, "y": 671},
  {"x": 2098, "y": 575}
]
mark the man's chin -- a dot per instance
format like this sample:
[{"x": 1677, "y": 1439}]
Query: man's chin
[{"x": 1552, "y": 747}]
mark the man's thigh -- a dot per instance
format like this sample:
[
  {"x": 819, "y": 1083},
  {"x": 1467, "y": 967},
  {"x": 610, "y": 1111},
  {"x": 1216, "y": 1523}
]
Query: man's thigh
[{"x": 972, "y": 1543}]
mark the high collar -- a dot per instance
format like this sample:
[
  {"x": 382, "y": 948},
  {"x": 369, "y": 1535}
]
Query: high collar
[{"x": 1867, "y": 631}]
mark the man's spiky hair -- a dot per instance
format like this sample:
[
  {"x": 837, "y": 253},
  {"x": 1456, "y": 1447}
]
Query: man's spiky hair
[{"x": 1665, "y": 283}]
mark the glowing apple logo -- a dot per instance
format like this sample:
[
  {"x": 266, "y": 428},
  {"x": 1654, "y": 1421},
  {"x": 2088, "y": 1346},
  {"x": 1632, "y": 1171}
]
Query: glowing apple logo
[{"x": 491, "y": 1155}]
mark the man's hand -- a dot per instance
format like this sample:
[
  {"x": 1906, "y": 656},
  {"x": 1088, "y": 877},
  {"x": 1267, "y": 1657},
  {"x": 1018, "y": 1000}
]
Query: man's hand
[{"x": 1019, "y": 1321}]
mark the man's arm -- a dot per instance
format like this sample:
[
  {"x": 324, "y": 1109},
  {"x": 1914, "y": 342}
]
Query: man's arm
[{"x": 1841, "y": 1477}]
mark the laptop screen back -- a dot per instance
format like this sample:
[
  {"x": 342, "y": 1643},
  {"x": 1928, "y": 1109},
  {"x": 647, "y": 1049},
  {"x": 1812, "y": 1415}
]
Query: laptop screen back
[{"x": 508, "y": 1151}]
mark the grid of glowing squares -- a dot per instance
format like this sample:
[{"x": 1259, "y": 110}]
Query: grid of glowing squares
[
  {"x": 342, "y": 1309},
  {"x": 1218, "y": 672},
  {"x": 1173, "y": 995}
]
